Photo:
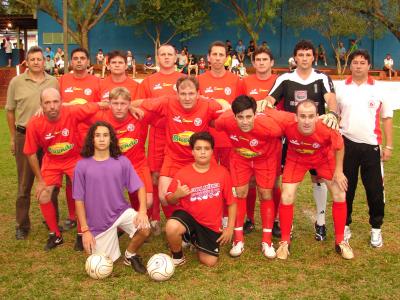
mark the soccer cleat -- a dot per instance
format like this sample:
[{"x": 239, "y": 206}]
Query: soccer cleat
[
  {"x": 78, "y": 246},
  {"x": 276, "y": 230},
  {"x": 268, "y": 250},
  {"x": 155, "y": 227},
  {"x": 248, "y": 226},
  {"x": 69, "y": 224},
  {"x": 53, "y": 241},
  {"x": 283, "y": 251},
  {"x": 237, "y": 249},
  {"x": 347, "y": 233},
  {"x": 320, "y": 232},
  {"x": 21, "y": 234},
  {"x": 376, "y": 238},
  {"x": 136, "y": 263},
  {"x": 344, "y": 250},
  {"x": 179, "y": 261}
]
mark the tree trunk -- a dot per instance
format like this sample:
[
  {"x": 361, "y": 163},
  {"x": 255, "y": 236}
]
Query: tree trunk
[
  {"x": 65, "y": 34},
  {"x": 84, "y": 38}
]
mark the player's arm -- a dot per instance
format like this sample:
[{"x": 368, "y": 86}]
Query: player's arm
[
  {"x": 388, "y": 133},
  {"x": 88, "y": 239},
  {"x": 180, "y": 192},
  {"x": 11, "y": 129},
  {"x": 338, "y": 175}
]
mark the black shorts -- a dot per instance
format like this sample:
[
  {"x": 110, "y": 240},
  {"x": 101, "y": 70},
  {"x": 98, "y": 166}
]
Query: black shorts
[
  {"x": 283, "y": 158},
  {"x": 203, "y": 238}
]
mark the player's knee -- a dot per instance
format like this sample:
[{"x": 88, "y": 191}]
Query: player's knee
[
  {"x": 265, "y": 194},
  {"x": 339, "y": 196},
  {"x": 173, "y": 228},
  {"x": 209, "y": 261},
  {"x": 144, "y": 232},
  {"x": 287, "y": 197},
  {"x": 241, "y": 192}
]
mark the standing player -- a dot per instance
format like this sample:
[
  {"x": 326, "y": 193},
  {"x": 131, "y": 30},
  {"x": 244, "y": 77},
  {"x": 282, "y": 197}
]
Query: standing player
[
  {"x": 117, "y": 64},
  {"x": 199, "y": 190},
  {"x": 362, "y": 102},
  {"x": 312, "y": 145},
  {"x": 162, "y": 83},
  {"x": 23, "y": 100},
  {"x": 296, "y": 86},
  {"x": 78, "y": 87},
  {"x": 258, "y": 86},
  {"x": 56, "y": 133},
  {"x": 255, "y": 139},
  {"x": 99, "y": 183}
]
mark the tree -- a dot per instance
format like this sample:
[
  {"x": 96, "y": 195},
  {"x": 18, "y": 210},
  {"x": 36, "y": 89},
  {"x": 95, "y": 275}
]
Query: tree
[
  {"x": 253, "y": 15},
  {"x": 331, "y": 21},
  {"x": 83, "y": 15},
  {"x": 162, "y": 20}
]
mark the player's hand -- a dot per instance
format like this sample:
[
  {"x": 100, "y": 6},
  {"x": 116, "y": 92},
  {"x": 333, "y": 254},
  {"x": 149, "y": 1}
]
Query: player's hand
[
  {"x": 154, "y": 177},
  {"x": 340, "y": 179},
  {"x": 89, "y": 243},
  {"x": 137, "y": 113},
  {"x": 386, "y": 154},
  {"x": 104, "y": 105},
  {"x": 12, "y": 146},
  {"x": 141, "y": 220},
  {"x": 225, "y": 105},
  {"x": 226, "y": 236},
  {"x": 330, "y": 120},
  {"x": 39, "y": 112},
  {"x": 182, "y": 190},
  {"x": 263, "y": 104},
  {"x": 41, "y": 187}
]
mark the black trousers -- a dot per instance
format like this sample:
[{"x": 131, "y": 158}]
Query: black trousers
[{"x": 366, "y": 158}]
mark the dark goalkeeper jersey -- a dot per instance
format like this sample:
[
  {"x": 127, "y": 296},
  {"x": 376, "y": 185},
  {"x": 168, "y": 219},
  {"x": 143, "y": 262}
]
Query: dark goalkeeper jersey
[{"x": 291, "y": 89}]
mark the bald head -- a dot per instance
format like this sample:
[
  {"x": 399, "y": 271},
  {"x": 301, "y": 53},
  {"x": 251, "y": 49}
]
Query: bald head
[
  {"x": 50, "y": 92},
  {"x": 50, "y": 101}
]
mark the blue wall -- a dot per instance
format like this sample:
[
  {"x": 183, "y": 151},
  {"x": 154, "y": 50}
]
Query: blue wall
[{"x": 281, "y": 40}]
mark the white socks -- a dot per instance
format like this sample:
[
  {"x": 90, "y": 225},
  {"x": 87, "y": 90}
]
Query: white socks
[{"x": 320, "y": 192}]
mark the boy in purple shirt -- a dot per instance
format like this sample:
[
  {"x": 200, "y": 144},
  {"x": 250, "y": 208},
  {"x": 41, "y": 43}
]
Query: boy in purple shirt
[{"x": 100, "y": 179}]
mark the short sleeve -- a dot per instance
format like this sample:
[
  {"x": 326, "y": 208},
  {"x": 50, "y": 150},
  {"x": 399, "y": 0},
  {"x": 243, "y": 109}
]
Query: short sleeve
[
  {"x": 78, "y": 184},
  {"x": 388, "y": 99},
  {"x": 336, "y": 140},
  {"x": 85, "y": 111},
  {"x": 156, "y": 105},
  {"x": 132, "y": 180}
]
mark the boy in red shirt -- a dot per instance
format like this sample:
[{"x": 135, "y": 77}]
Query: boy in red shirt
[
  {"x": 312, "y": 145},
  {"x": 199, "y": 190},
  {"x": 56, "y": 133}
]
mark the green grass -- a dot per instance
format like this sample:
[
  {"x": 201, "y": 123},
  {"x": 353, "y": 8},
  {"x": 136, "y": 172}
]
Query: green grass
[{"x": 312, "y": 271}]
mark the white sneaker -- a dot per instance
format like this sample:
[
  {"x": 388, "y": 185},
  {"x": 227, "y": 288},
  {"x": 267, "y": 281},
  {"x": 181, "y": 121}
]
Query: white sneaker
[
  {"x": 344, "y": 250},
  {"x": 347, "y": 233},
  {"x": 267, "y": 250},
  {"x": 179, "y": 261},
  {"x": 237, "y": 249},
  {"x": 283, "y": 250},
  {"x": 376, "y": 238}
]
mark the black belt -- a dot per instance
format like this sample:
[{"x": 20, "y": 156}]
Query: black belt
[{"x": 20, "y": 129}]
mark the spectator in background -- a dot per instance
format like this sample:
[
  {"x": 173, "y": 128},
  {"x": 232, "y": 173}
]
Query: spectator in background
[
  {"x": 100, "y": 59},
  {"x": 235, "y": 64},
  {"x": 185, "y": 48},
  {"x": 228, "y": 61},
  {"x": 320, "y": 54},
  {"x": 353, "y": 46},
  {"x": 182, "y": 62},
  {"x": 193, "y": 64},
  {"x": 149, "y": 64},
  {"x": 342, "y": 52},
  {"x": 242, "y": 70},
  {"x": 8, "y": 49},
  {"x": 292, "y": 63},
  {"x": 59, "y": 66},
  {"x": 49, "y": 65},
  {"x": 388, "y": 65},
  {"x": 228, "y": 45},
  {"x": 250, "y": 50},
  {"x": 240, "y": 50},
  {"x": 131, "y": 63},
  {"x": 49, "y": 52},
  {"x": 59, "y": 54},
  {"x": 264, "y": 45},
  {"x": 202, "y": 65}
]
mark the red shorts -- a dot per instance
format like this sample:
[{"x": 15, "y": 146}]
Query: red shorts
[
  {"x": 295, "y": 169},
  {"x": 156, "y": 149},
  {"x": 52, "y": 172},
  {"x": 144, "y": 174},
  {"x": 263, "y": 168},
  {"x": 171, "y": 167}
]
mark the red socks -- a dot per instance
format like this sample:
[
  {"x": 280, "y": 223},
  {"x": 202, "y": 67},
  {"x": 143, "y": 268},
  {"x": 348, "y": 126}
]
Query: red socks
[
  {"x": 49, "y": 214},
  {"x": 267, "y": 219},
  {"x": 156, "y": 204},
  {"x": 339, "y": 213},
  {"x": 70, "y": 202},
  {"x": 241, "y": 212},
  {"x": 251, "y": 203},
  {"x": 286, "y": 220}
]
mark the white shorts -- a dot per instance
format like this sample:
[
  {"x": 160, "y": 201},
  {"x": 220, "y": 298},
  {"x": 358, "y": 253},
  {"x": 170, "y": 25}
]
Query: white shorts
[{"x": 107, "y": 242}]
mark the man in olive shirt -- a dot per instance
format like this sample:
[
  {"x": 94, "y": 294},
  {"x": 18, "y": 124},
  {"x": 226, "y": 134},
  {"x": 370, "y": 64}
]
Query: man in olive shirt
[{"x": 23, "y": 100}]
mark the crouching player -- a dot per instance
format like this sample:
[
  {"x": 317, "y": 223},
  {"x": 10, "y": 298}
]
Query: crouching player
[
  {"x": 98, "y": 189},
  {"x": 312, "y": 145},
  {"x": 198, "y": 190}
]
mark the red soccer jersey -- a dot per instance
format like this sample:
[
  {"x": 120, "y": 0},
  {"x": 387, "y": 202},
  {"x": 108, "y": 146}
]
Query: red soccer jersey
[
  {"x": 59, "y": 138},
  {"x": 226, "y": 87},
  {"x": 107, "y": 84},
  {"x": 208, "y": 191},
  {"x": 257, "y": 88},
  {"x": 313, "y": 148},
  {"x": 80, "y": 90},
  {"x": 262, "y": 140},
  {"x": 181, "y": 124},
  {"x": 131, "y": 134}
]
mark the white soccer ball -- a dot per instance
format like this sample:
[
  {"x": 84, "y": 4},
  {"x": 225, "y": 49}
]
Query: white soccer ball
[
  {"x": 160, "y": 267},
  {"x": 99, "y": 266}
]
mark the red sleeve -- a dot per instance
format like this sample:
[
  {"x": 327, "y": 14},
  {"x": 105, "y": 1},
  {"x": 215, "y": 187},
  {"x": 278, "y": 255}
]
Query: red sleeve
[
  {"x": 31, "y": 145},
  {"x": 336, "y": 140},
  {"x": 143, "y": 91},
  {"x": 135, "y": 91},
  {"x": 156, "y": 105},
  {"x": 228, "y": 194},
  {"x": 85, "y": 111},
  {"x": 99, "y": 116},
  {"x": 97, "y": 96},
  {"x": 221, "y": 123},
  {"x": 214, "y": 106}
]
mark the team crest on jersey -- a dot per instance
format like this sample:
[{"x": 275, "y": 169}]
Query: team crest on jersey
[
  {"x": 65, "y": 132},
  {"x": 197, "y": 122},
  {"x": 253, "y": 92},
  {"x": 209, "y": 90},
  {"x": 316, "y": 146},
  {"x": 130, "y": 127},
  {"x": 69, "y": 90},
  {"x": 157, "y": 87},
  {"x": 253, "y": 142},
  {"x": 87, "y": 92},
  {"x": 227, "y": 91},
  {"x": 300, "y": 96}
]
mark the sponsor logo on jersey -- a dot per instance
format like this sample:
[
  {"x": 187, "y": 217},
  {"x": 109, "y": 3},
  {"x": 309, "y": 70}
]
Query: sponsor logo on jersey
[
  {"x": 253, "y": 142},
  {"x": 209, "y": 90},
  {"x": 305, "y": 151},
  {"x": 204, "y": 192},
  {"x": 65, "y": 132},
  {"x": 87, "y": 92},
  {"x": 157, "y": 87},
  {"x": 253, "y": 92},
  {"x": 182, "y": 138},
  {"x": 295, "y": 142},
  {"x": 49, "y": 136},
  {"x": 106, "y": 95},
  {"x": 300, "y": 96},
  {"x": 167, "y": 84},
  {"x": 228, "y": 91},
  {"x": 264, "y": 91},
  {"x": 177, "y": 119},
  {"x": 60, "y": 148},
  {"x": 246, "y": 153},
  {"x": 78, "y": 101},
  {"x": 197, "y": 122},
  {"x": 234, "y": 137},
  {"x": 69, "y": 90},
  {"x": 127, "y": 143}
]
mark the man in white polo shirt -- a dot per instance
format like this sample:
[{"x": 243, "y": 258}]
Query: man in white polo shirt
[{"x": 362, "y": 103}]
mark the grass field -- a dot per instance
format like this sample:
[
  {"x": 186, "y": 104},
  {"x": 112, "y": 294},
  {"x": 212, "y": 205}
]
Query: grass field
[{"x": 313, "y": 271}]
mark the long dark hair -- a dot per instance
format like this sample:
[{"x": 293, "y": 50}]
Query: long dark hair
[{"x": 88, "y": 147}]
